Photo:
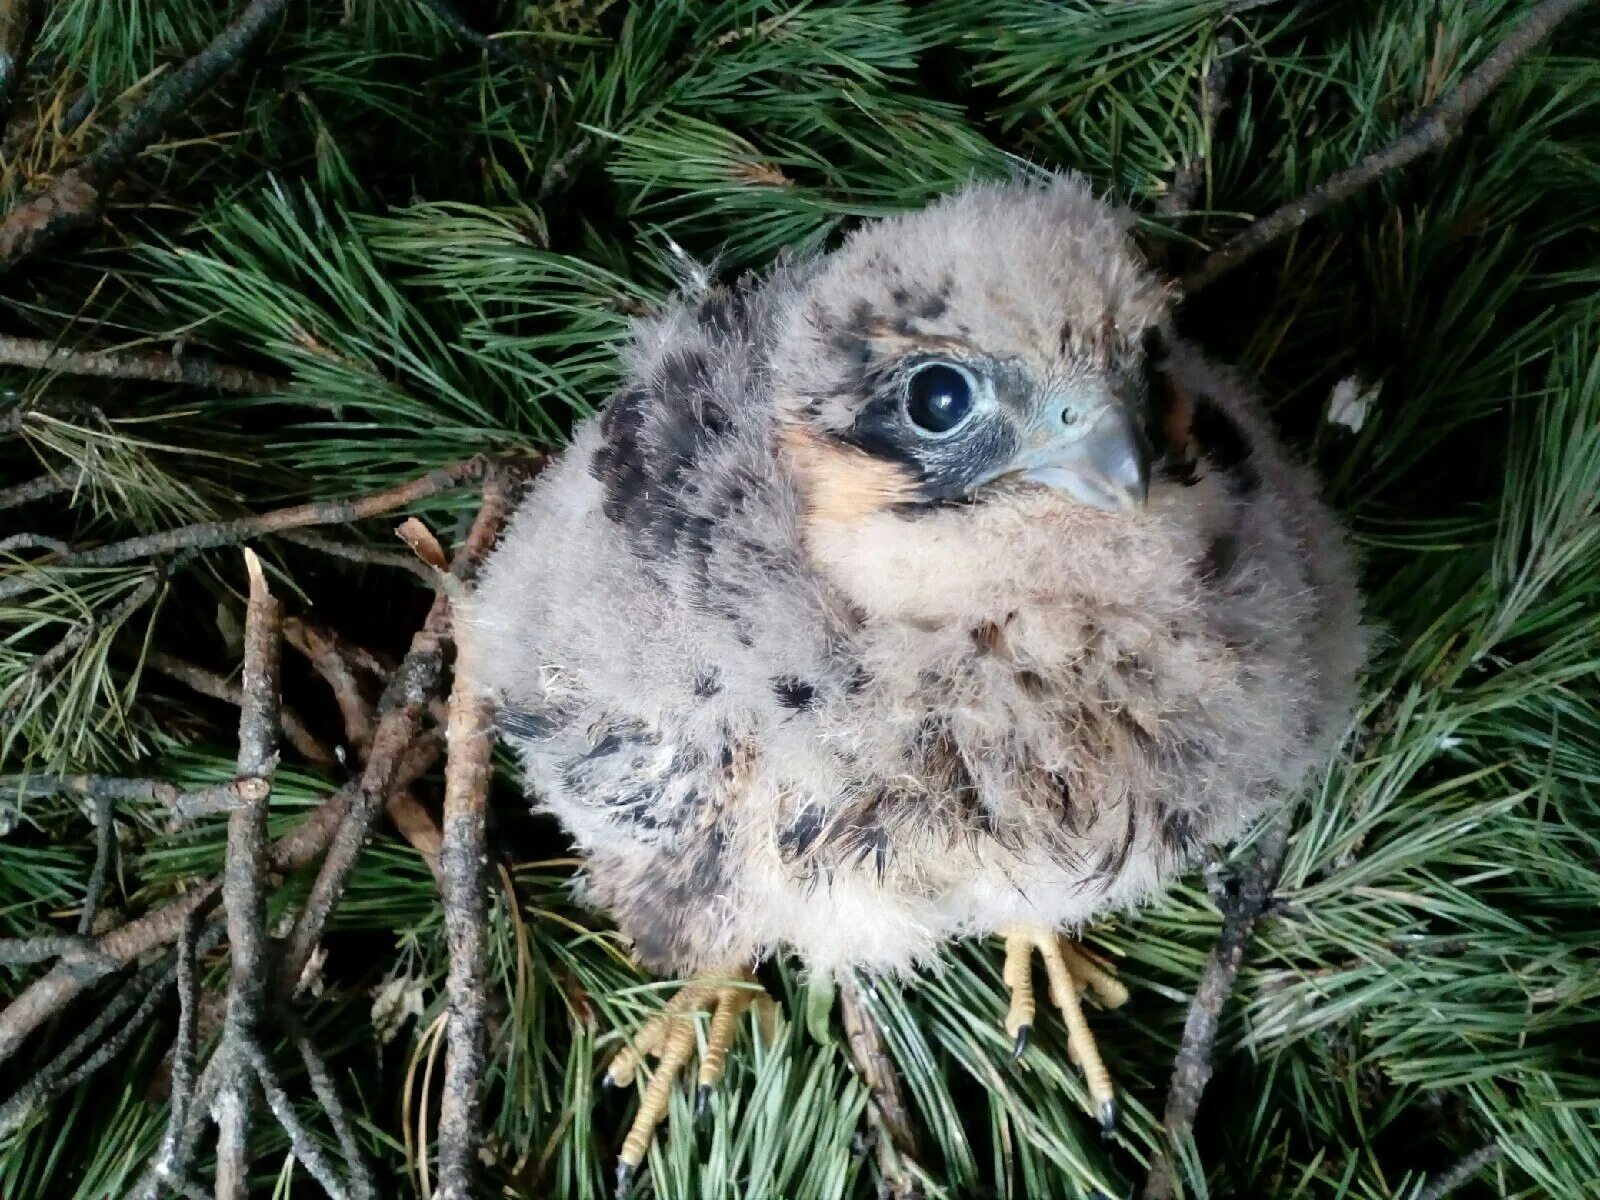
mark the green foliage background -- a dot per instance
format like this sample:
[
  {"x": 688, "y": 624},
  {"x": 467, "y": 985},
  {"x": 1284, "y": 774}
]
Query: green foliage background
[{"x": 441, "y": 248}]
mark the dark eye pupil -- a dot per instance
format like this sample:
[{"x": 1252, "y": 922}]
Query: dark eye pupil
[{"x": 940, "y": 398}]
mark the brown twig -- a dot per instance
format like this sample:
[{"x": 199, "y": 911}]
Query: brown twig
[
  {"x": 466, "y": 789},
  {"x": 76, "y": 198},
  {"x": 19, "y": 22},
  {"x": 886, "y": 1109},
  {"x": 209, "y": 683},
  {"x": 41, "y": 355},
  {"x": 1429, "y": 130},
  {"x": 401, "y": 711},
  {"x": 208, "y": 535},
  {"x": 1461, "y": 1172},
  {"x": 244, "y": 884},
  {"x": 337, "y": 662},
  {"x": 167, "y": 1164},
  {"x": 1191, "y": 1071},
  {"x": 368, "y": 556}
]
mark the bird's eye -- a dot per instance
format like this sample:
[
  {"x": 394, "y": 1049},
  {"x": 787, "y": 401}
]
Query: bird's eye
[{"x": 939, "y": 397}]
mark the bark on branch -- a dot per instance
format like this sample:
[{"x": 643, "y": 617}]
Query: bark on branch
[
  {"x": 41, "y": 355},
  {"x": 76, "y": 198},
  {"x": 1431, "y": 129},
  {"x": 1192, "y": 1069}
]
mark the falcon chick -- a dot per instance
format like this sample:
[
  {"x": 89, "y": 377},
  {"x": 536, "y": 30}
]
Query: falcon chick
[{"x": 926, "y": 589}]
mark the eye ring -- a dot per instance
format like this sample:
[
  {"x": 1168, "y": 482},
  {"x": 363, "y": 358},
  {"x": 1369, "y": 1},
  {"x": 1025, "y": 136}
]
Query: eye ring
[{"x": 939, "y": 398}]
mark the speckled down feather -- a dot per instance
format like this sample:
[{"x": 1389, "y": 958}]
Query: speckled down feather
[{"x": 784, "y": 705}]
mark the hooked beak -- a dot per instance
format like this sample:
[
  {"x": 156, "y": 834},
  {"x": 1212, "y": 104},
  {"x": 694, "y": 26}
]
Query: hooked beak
[{"x": 1106, "y": 466}]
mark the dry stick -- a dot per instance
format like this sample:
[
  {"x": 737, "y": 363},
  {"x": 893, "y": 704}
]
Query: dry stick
[
  {"x": 402, "y": 708},
  {"x": 1461, "y": 1172},
  {"x": 1191, "y": 1071},
  {"x": 367, "y": 556},
  {"x": 466, "y": 789},
  {"x": 209, "y": 683},
  {"x": 76, "y": 198},
  {"x": 886, "y": 1109},
  {"x": 244, "y": 885},
  {"x": 1429, "y": 130},
  {"x": 105, "y": 837},
  {"x": 46, "y": 1082},
  {"x": 19, "y": 22},
  {"x": 47, "y": 995},
  {"x": 301, "y": 1143},
  {"x": 185, "y": 1051},
  {"x": 335, "y": 661},
  {"x": 40, "y": 488},
  {"x": 41, "y": 355},
  {"x": 208, "y": 535},
  {"x": 359, "y": 1173},
  {"x": 67, "y": 947}
]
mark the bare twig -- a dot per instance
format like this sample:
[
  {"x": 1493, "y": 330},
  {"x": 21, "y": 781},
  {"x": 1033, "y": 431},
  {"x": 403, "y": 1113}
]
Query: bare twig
[
  {"x": 208, "y": 535},
  {"x": 337, "y": 661},
  {"x": 1429, "y": 130},
  {"x": 41, "y": 355},
  {"x": 185, "y": 1051},
  {"x": 19, "y": 22},
  {"x": 1190, "y": 174},
  {"x": 301, "y": 1142},
  {"x": 886, "y": 1110},
  {"x": 209, "y": 683},
  {"x": 357, "y": 1171},
  {"x": 76, "y": 198},
  {"x": 401, "y": 710},
  {"x": 494, "y": 47},
  {"x": 244, "y": 882},
  {"x": 41, "y": 488},
  {"x": 218, "y": 798},
  {"x": 1192, "y": 1069},
  {"x": 66, "y": 947},
  {"x": 1462, "y": 1172},
  {"x": 368, "y": 556},
  {"x": 466, "y": 789},
  {"x": 105, "y": 840}
]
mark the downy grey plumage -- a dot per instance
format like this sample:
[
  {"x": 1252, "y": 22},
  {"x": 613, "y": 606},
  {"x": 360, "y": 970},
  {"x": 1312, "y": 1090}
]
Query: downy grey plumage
[{"x": 802, "y": 670}]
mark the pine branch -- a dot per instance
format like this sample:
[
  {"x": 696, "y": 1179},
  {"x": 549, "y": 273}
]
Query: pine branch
[
  {"x": 368, "y": 556},
  {"x": 462, "y": 860},
  {"x": 105, "y": 838},
  {"x": 1430, "y": 130},
  {"x": 244, "y": 884},
  {"x": 37, "y": 489},
  {"x": 209, "y": 535},
  {"x": 41, "y": 355},
  {"x": 1192, "y": 1069},
  {"x": 169, "y": 1163},
  {"x": 76, "y": 198}
]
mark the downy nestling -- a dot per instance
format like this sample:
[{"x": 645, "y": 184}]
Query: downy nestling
[{"x": 926, "y": 589}]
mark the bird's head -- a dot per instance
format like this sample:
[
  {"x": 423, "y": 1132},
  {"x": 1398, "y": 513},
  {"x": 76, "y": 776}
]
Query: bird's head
[{"x": 996, "y": 340}]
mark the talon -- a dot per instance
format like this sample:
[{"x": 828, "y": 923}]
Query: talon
[
  {"x": 1071, "y": 971},
  {"x": 1021, "y": 1044},
  {"x": 1108, "y": 1118},
  {"x": 671, "y": 1037},
  {"x": 625, "y": 1172}
]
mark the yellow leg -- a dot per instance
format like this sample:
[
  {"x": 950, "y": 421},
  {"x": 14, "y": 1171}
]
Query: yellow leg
[
  {"x": 1071, "y": 971},
  {"x": 670, "y": 1036}
]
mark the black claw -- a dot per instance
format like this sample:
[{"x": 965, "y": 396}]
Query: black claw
[
  {"x": 1108, "y": 1118},
  {"x": 624, "y": 1178},
  {"x": 1023, "y": 1035},
  {"x": 606, "y": 1082},
  {"x": 702, "y": 1101}
]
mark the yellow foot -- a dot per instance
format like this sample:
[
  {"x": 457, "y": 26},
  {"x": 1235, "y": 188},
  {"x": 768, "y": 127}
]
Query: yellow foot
[
  {"x": 1070, "y": 971},
  {"x": 670, "y": 1037}
]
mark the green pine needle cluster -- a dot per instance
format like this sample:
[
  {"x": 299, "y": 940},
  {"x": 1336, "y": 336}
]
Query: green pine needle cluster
[{"x": 440, "y": 248}]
